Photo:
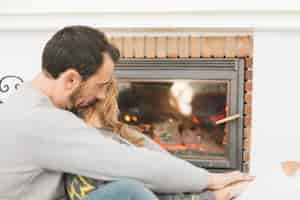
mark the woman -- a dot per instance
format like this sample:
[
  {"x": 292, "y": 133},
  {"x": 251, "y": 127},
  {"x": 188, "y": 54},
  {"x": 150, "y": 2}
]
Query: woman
[{"x": 104, "y": 116}]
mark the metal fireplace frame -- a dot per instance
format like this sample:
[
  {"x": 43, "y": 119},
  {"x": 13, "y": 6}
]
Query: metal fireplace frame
[{"x": 230, "y": 70}]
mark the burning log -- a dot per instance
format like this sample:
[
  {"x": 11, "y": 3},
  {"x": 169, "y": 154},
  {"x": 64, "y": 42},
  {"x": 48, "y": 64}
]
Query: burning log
[{"x": 182, "y": 147}]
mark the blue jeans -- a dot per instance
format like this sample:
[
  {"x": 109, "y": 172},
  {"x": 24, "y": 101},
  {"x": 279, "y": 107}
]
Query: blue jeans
[
  {"x": 128, "y": 189},
  {"x": 122, "y": 190}
]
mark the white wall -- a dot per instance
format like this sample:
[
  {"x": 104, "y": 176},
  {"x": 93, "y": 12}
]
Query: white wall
[
  {"x": 246, "y": 14},
  {"x": 276, "y": 96},
  {"x": 138, "y": 5},
  {"x": 20, "y": 54},
  {"x": 276, "y": 102}
]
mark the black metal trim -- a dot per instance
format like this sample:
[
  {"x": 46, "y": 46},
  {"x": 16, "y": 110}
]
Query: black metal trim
[{"x": 167, "y": 64}]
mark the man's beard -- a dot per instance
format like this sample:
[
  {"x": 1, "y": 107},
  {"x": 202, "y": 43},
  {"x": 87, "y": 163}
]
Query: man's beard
[{"x": 78, "y": 110}]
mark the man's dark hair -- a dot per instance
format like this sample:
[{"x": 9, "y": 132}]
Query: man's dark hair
[{"x": 77, "y": 47}]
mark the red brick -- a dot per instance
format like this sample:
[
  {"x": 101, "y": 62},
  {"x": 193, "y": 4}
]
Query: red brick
[
  {"x": 195, "y": 46},
  {"x": 128, "y": 47},
  {"x": 150, "y": 50},
  {"x": 247, "y": 109},
  {"x": 139, "y": 47},
  {"x": 247, "y": 121},
  {"x": 161, "y": 47},
  {"x": 246, "y": 156},
  {"x": 218, "y": 47},
  {"x": 247, "y": 133},
  {"x": 172, "y": 47},
  {"x": 249, "y": 63},
  {"x": 230, "y": 47},
  {"x": 248, "y": 75},
  {"x": 184, "y": 47},
  {"x": 248, "y": 86},
  {"x": 206, "y": 47},
  {"x": 248, "y": 98},
  {"x": 243, "y": 46},
  {"x": 246, "y": 143}
]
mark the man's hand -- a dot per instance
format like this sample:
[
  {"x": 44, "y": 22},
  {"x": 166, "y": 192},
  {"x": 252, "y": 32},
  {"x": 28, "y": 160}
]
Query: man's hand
[{"x": 219, "y": 181}]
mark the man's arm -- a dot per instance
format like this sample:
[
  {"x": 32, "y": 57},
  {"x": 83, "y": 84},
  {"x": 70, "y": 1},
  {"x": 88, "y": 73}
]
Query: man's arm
[{"x": 66, "y": 144}]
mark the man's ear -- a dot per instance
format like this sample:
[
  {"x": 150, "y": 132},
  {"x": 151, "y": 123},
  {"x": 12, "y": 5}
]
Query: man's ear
[{"x": 71, "y": 79}]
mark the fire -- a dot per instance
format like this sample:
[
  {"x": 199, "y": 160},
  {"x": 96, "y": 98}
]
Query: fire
[
  {"x": 134, "y": 118},
  {"x": 170, "y": 147},
  {"x": 176, "y": 147},
  {"x": 127, "y": 118},
  {"x": 195, "y": 120}
]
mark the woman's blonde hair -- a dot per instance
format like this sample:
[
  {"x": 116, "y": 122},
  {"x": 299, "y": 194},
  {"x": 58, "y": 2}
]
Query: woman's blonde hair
[{"x": 104, "y": 114}]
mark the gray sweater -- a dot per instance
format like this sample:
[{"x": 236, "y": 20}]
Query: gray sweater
[{"x": 40, "y": 142}]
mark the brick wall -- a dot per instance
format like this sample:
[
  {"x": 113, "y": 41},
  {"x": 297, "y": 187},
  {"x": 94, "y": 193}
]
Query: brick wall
[{"x": 198, "y": 47}]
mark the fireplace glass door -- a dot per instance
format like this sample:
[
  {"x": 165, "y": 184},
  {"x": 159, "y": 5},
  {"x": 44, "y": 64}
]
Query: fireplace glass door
[{"x": 185, "y": 107}]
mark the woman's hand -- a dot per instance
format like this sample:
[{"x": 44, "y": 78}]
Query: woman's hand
[{"x": 219, "y": 181}]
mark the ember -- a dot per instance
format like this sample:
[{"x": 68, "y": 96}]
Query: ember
[{"x": 176, "y": 147}]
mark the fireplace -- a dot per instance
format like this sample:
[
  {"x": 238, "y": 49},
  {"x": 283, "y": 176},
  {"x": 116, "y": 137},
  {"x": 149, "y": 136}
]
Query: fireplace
[
  {"x": 174, "y": 62},
  {"x": 182, "y": 103}
]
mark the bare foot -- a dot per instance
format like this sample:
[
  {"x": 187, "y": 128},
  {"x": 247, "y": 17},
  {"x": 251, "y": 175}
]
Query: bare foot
[
  {"x": 219, "y": 181},
  {"x": 231, "y": 191}
]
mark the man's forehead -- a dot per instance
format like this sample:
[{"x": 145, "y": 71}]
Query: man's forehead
[{"x": 105, "y": 72}]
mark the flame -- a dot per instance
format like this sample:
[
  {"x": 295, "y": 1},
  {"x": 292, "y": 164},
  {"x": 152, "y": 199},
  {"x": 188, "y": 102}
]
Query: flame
[
  {"x": 127, "y": 118},
  {"x": 134, "y": 118},
  {"x": 195, "y": 120},
  {"x": 183, "y": 93}
]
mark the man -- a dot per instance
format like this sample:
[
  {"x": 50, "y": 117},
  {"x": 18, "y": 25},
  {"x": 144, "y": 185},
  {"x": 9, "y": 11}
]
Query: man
[{"x": 41, "y": 139}]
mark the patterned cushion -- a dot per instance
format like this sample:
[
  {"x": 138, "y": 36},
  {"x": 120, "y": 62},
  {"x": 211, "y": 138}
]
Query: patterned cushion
[{"x": 77, "y": 187}]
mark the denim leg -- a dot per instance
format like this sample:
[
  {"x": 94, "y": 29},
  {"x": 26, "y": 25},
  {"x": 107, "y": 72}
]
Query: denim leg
[
  {"x": 205, "y": 195},
  {"x": 126, "y": 189}
]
